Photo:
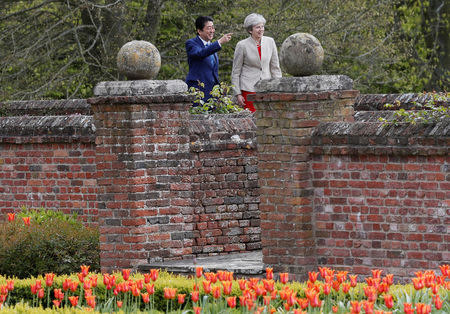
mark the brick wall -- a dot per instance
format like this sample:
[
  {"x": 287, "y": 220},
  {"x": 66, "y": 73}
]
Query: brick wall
[{"x": 382, "y": 196}]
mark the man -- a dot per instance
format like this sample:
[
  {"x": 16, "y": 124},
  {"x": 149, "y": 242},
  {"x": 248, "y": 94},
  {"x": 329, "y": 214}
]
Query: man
[{"x": 202, "y": 56}]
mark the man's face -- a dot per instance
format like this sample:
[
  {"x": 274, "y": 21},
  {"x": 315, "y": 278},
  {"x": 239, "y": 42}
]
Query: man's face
[{"x": 207, "y": 33}]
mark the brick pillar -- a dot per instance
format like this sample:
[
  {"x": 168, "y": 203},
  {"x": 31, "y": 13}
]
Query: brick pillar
[
  {"x": 142, "y": 151},
  {"x": 287, "y": 111}
]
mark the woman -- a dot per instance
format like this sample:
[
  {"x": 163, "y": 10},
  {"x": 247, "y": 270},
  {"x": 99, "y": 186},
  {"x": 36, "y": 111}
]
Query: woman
[{"x": 255, "y": 58}]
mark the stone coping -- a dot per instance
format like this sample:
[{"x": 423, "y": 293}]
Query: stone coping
[
  {"x": 241, "y": 264},
  {"x": 304, "y": 84},
  {"x": 140, "y": 87}
]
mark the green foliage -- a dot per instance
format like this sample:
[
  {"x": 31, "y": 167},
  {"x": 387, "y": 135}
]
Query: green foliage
[
  {"x": 220, "y": 101},
  {"x": 53, "y": 242},
  {"x": 432, "y": 111}
]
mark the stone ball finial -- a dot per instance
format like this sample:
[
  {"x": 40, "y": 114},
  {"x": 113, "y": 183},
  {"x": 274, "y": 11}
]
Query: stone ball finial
[
  {"x": 301, "y": 54},
  {"x": 139, "y": 60}
]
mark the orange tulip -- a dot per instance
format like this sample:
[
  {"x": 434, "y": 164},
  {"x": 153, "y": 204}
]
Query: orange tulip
[
  {"x": 216, "y": 291},
  {"x": 147, "y": 278},
  {"x": 80, "y": 277},
  {"x": 195, "y": 295},
  {"x": 3, "y": 289},
  {"x": 150, "y": 288},
  {"x": 197, "y": 310},
  {"x": 407, "y": 308},
  {"x": 84, "y": 270},
  {"x": 388, "y": 301},
  {"x": 312, "y": 276},
  {"x": 11, "y": 217},
  {"x": 269, "y": 285},
  {"x": 376, "y": 273},
  {"x": 66, "y": 284},
  {"x": 56, "y": 303},
  {"x": 90, "y": 300},
  {"x": 198, "y": 272},
  {"x": 423, "y": 308},
  {"x": 206, "y": 286},
  {"x": 389, "y": 279},
  {"x": 298, "y": 311},
  {"x": 119, "y": 304},
  {"x": 284, "y": 278},
  {"x": 169, "y": 293},
  {"x": 26, "y": 220},
  {"x": 181, "y": 298},
  {"x": 335, "y": 309},
  {"x": 368, "y": 307},
  {"x": 154, "y": 273},
  {"x": 336, "y": 285},
  {"x": 445, "y": 270},
  {"x": 353, "y": 280},
  {"x": 126, "y": 274},
  {"x": 269, "y": 273},
  {"x": 242, "y": 284},
  {"x": 135, "y": 291},
  {"x": 326, "y": 289},
  {"x": 34, "y": 289},
  {"x": 145, "y": 297},
  {"x": 356, "y": 307},
  {"x": 418, "y": 283},
  {"x": 73, "y": 300},
  {"x": 40, "y": 293},
  {"x": 73, "y": 286},
  {"x": 227, "y": 287},
  {"x": 341, "y": 276},
  {"x": 345, "y": 287},
  {"x": 231, "y": 302}
]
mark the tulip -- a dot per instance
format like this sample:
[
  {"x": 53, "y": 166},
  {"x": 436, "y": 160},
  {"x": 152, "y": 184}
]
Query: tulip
[
  {"x": 181, "y": 298},
  {"x": 355, "y": 307},
  {"x": 407, "y": 308},
  {"x": 389, "y": 279},
  {"x": 56, "y": 303},
  {"x": 313, "y": 276},
  {"x": 216, "y": 291},
  {"x": 119, "y": 304},
  {"x": 126, "y": 274},
  {"x": 438, "y": 302},
  {"x": 2, "y": 299},
  {"x": 90, "y": 300},
  {"x": 211, "y": 277},
  {"x": 135, "y": 291},
  {"x": 147, "y": 278},
  {"x": 206, "y": 286},
  {"x": 154, "y": 273},
  {"x": 73, "y": 300},
  {"x": 145, "y": 297},
  {"x": 341, "y": 276},
  {"x": 269, "y": 273},
  {"x": 73, "y": 286},
  {"x": 34, "y": 289},
  {"x": 66, "y": 284},
  {"x": 368, "y": 307},
  {"x": 197, "y": 310},
  {"x": 326, "y": 289},
  {"x": 3, "y": 289},
  {"x": 345, "y": 287},
  {"x": 195, "y": 296},
  {"x": 150, "y": 288},
  {"x": 227, "y": 287},
  {"x": 418, "y": 283},
  {"x": 11, "y": 217},
  {"x": 80, "y": 277},
  {"x": 169, "y": 293},
  {"x": 335, "y": 309},
  {"x": 267, "y": 299},
  {"x": 94, "y": 280},
  {"x": 284, "y": 278},
  {"x": 242, "y": 284},
  {"x": 10, "y": 285},
  {"x": 423, "y": 308},
  {"x": 231, "y": 302},
  {"x": 445, "y": 270},
  {"x": 376, "y": 273},
  {"x": 353, "y": 280},
  {"x": 298, "y": 311},
  {"x": 336, "y": 285},
  {"x": 26, "y": 220},
  {"x": 388, "y": 301},
  {"x": 269, "y": 285},
  {"x": 84, "y": 270},
  {"x": 40, "y": 293},
  {"x": 198, "y": 272}
]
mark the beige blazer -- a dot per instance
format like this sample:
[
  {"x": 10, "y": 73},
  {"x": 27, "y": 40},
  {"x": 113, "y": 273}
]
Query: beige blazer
[{"x": 248, "y": 69}]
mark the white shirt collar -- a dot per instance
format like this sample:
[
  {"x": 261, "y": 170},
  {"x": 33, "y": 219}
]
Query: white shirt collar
[{"x": 204, "y": 42}]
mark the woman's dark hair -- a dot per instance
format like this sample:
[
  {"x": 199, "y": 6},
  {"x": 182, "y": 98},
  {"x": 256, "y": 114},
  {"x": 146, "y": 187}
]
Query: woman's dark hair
[{"x": 201, "y": 21}]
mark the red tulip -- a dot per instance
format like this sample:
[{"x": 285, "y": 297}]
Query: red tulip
[
  {"x": 90, "y": 300},
  {"x": 326, "y": 289},
  {"x": 418, "y": 283},
  {"x": 356, "y": 307},
  {"x": 26, "y": 220},
  {"x": 368, "y": 307},
  {"x": 206, "y": 286},
  {"x": 66, "y": 284},
  {"x": 198, "y": 272},
  {"x": 216, "y": 291},
  {"x": 56, "y": 303},
  {"x": 335, "y": 309},
  {"x": 126, "y": 274},
  {"x": 49, "y": 279},
  {"x": 197, "y": 310},
  {"x": 84, "y": 270},
  {"x": 242, "y": 284},
  {"x": 119, "y": 304},
  {"x": 195, "y": 296},
  {"x": 407, "y": 308},
  {"x": 73, "y": 300},
  {"x": 181, "y": 298},
  {"x": 423, "y": 308},
  {"x": 227, "y": 287},
  {"x": 40, "y": 293},
  {"x": 284, "y": 278},
  {"x": 231, "y": 302},
  {"x": 73, "y": 286},
  {"x": 341, "y": 276},
  {"x": 438, "y": 302},
  {"x": 445, "y": 270},
  {"x": 376, "y": 273},
  {"x": 269, "y": 273},
  {"x": 388, "y": 301},
  {"x": 11, "y": 217},
  {"x": 345, "y": 287},
  {"x": 10, "y": 285},
  {"x": 353, "y": 280}
]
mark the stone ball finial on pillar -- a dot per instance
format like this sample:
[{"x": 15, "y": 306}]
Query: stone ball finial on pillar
[
  {"x": 139, "y": 60},
  {"x": 301, "y": 54}
]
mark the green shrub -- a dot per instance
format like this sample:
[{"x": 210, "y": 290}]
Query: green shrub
[
  {"x": 220, "y": 101},
  {"x": 53, "y": 242}
]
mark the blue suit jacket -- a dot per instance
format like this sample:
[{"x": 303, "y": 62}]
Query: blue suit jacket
[{"x": 200, "y": 66}]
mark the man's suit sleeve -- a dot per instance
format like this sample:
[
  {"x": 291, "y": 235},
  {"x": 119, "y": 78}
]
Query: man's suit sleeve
[{"x": 197, "y": 51}]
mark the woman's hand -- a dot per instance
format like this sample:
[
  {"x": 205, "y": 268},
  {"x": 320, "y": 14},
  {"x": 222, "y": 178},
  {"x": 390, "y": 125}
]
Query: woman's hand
[{"x": 240, "y": 100}]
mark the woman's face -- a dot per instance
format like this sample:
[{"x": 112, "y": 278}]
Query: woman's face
[{"x": 257, "y": 31}]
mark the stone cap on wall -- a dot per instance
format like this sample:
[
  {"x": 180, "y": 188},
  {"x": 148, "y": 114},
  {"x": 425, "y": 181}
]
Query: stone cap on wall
[
  {"x": 140, "y": 87},
  {"x": 45, "y": 107},
  {"x": 375, "y": 102},
  {"x": 304, "y": 84}
]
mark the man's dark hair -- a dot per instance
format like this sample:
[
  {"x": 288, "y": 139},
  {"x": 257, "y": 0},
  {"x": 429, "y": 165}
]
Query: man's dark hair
[{"x": 201, "y": 21}]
